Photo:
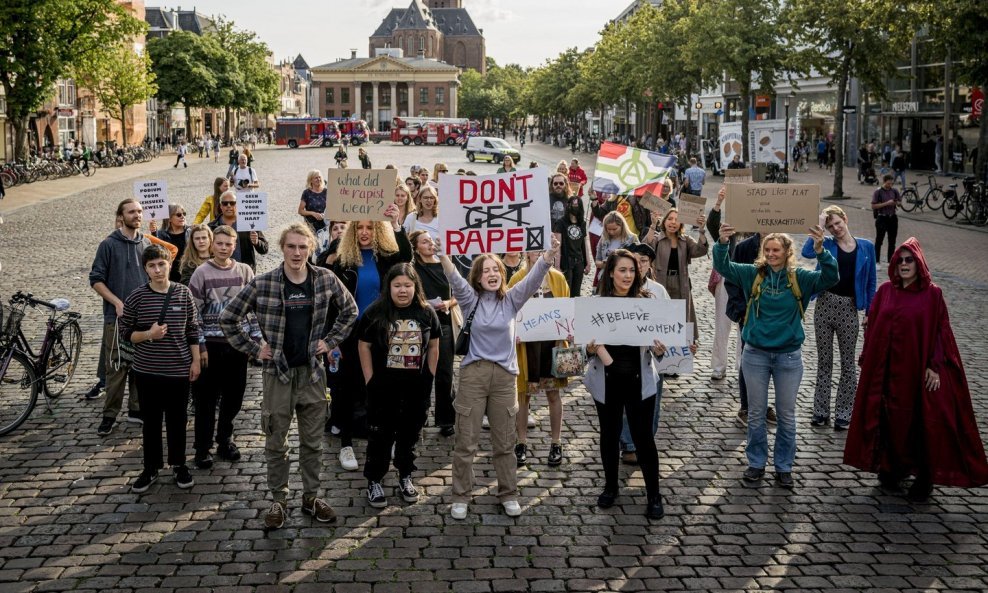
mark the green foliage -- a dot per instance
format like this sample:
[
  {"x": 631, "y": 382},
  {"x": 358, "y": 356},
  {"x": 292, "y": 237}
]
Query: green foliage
[
  {"x": 248, "y": 81},
  {"x": 498, "y": 95},
  {"x": 119, "y": 78},
  {"x": 187, "y": 66}
]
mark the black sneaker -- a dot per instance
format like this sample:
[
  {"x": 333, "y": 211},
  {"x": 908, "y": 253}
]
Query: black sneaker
[
  {"x": 607, "y": 498},
  {"x": 375, "y": 495},
  {"x": 920, "y": 491},
  {"x": 447, "y": 431},
  {"x": 555, "y": 455},
  {"x": 654, "y": 509},
  {"x": 784, "y": 480},
  {"x": 752, "y": 477},
  {"x": 820, "y": 421},
  {"x": 229, "y": 451},
  {"x": 106, "y": 426},
  {"x": 144, "y": 481},
  {"x": 204, "y": 460},
  {"x": 183, "y": 477},
  {"x": 521, "y": 454},
  {"x": 406, "y": 489},
  {"x": 135, "y": 417},
  {"x": 96, "y": 391}
]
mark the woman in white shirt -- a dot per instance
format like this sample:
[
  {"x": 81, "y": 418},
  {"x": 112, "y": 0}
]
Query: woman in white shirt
[{"x": 426, "y": 215}]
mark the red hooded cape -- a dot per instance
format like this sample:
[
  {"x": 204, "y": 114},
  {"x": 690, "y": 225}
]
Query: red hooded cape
[{"x": 898, "y": 425}]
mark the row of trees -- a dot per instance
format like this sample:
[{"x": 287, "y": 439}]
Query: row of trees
[
  {"x": 92, "y": 41},
  {"x": 670, "y": 53}
]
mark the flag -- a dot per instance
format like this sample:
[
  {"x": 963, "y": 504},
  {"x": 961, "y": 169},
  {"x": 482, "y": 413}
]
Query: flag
[{"x": 622, "y": 169}]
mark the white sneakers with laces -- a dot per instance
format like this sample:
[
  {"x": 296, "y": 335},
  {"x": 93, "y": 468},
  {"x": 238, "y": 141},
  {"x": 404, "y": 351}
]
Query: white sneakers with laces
[{"x": 348, "y": 459}]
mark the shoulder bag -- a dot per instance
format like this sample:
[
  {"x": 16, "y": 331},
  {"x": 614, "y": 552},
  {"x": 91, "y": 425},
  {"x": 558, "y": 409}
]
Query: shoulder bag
[{"x": 462, "y": 345}]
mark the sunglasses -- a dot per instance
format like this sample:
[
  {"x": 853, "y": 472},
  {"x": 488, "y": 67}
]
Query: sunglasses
[
  {"x": 907, "y": 259},
  {"x": 228, "y": 203},
  {"x": 180, "y": 214},
  {"x": 559, "y": 184}
]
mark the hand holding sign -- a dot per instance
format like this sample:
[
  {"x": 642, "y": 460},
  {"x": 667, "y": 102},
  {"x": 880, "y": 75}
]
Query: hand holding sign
[{"x": 726, "y": 232}]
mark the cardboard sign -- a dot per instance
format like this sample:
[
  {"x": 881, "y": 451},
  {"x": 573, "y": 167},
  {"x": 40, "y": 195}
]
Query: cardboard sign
[
  {"x": 503, "y": 213},
  {"x": 252, "y": 211},
  {"x": 628, "y": 322},
  {"x": 737, "y": 176},
  {"x": 772, "y": 207},
  {"x": 542, "y": 320},
  {"x": 574, "y": 188},
  {"x": 678, "y": 359},
  {"x": 359, "y": 194},
  {"x": 690, "y": 208},
  {"x": 153, "y": 196},
  {"x": 654, "y": 203}
]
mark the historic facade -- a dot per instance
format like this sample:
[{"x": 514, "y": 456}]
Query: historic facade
[{"x": 436, "y": 29}]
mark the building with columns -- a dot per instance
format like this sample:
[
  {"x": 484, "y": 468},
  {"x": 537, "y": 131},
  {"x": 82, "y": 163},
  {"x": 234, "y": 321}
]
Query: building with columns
[{"x": 384, "y": 86}]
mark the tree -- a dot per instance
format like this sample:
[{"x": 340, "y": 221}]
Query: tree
[
  {"x": 247, "y": 80},
  {"x": 42, "y": 40},
  {"x": 119, "y": 78},
  {"x": 852, "y": 38},
  {"x": 186, "y": 67}
]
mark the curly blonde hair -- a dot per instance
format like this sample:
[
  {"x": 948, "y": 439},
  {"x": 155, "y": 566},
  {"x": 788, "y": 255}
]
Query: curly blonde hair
[
  {"x": 382, "y": 243},
  {"x": 786, "y": 241}
]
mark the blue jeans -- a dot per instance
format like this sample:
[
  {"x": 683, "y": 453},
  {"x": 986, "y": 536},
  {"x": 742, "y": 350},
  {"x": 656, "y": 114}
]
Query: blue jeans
[
  {"x": 627, "y": 445},
  {"x": 901, "y": 176},
  {"x": 786, "y": 371}
]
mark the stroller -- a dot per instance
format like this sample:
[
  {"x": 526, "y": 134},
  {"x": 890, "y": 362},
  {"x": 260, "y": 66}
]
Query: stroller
[{"x": 866, "y": 173}]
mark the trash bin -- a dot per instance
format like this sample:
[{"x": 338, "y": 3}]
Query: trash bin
[{"x": 758, "y": 172}]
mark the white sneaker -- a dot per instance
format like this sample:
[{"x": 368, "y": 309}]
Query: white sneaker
[
  {"x": 511, "y": 508},
  {"x": 485, "y": 423},
  {"x": 347, "y": 459},
  {"x": 334, "y": 430},
  {"x": 531, "y": 421},
  {"x": 458, "y": 510}
]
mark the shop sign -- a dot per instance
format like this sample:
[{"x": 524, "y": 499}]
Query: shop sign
[
  {"x": 977, "y": 102},
  {"x": 905, "y": 107},
  {"x": 64, "y": 112}
]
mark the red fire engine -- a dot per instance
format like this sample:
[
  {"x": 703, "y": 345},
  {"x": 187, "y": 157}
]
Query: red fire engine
[
  {"x": 356, "y": 130},
  {"x": 431, "y": 130},
  {"x": 306, "y": 131}
]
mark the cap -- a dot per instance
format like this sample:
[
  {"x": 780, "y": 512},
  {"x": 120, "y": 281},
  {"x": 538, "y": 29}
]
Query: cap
[{"x": 641, "y": 249}]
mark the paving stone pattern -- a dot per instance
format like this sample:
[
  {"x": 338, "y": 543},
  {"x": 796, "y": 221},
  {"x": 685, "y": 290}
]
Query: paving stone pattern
[{"x": 68, "y": 520}]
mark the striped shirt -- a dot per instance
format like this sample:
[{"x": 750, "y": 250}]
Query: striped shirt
[{"x": 170, "y": 356}]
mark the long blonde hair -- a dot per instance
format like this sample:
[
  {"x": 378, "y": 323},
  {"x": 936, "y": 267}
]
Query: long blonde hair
[
  {"x": 786, "y": 241},
  {"x": 410, "y": 203},
  {"x": 418, "y": 201},
  {"x": 618, "y": 219},
  {"x": 190, "y": 257},
  {"x": 382, "y": 243}
]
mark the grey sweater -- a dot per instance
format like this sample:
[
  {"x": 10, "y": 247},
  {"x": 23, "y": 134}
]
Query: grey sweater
[{"x": 118, "y": 265}]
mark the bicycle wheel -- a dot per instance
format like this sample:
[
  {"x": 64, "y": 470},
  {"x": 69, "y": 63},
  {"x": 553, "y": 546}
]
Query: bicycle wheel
[
  {"x": 910, "y": 199},
  {"x": 934, "y": 198},
  {"x": 18, "y": 391},
  {"x": 951, "y": 206},
  {"x": 62, "y": 359}
]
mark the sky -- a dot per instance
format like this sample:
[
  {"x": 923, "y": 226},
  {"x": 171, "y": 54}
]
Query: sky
[{"x": 526, "y": 33}]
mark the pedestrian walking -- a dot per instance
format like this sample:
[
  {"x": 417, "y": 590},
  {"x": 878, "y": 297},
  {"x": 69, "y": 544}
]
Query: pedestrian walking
[
  {"x": 180, "y": 153},
  {"x": 233, "y": 159},
  {"x": 884, "y": 203}
]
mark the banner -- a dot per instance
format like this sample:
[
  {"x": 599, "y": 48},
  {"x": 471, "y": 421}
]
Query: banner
[
  {"x": 767, "y": 141},
  {"x": 737, "y": 176},
  {"x": 730, "y": 143},
  {"x": 628, "y": 322},
  {"x": 690, "y": 208},
  {"x": 772, "y": 207},
  {"x": 359, "y": 194},
  {"x": 503, "y": 213},
  {"x": 153, "y": 196},
  {"x": 252, "y": 211},
  {"x": 621, "y": 169},
  {"x": 678, "y": 359},
  {"x": 542, "y": 320}
]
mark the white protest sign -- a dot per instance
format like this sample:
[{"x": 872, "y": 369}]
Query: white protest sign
[
  {"x": 542, "y": 320},
  {"x": 678, "y": 359},
  {"x": 153, "y": 196},
  {"x": 628, "y": 322},
  {"x": 252, "y": 211},
  {"x": 503, "y": 213},
  {"x": 690, "y": 208},
  {"x": 772, "y": 207}
]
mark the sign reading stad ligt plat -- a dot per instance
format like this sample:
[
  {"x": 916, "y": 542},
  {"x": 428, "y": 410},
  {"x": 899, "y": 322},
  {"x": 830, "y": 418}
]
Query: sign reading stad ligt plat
[
  {"x": 772, "y": 207},
  {"x": 543, "y": 320},
  {"x": 252, "y": 211},
  {"x": 359, "y": 194},
  {"x": 628, "y": 322},
  {"x": 153, "y": 196},
  {"x": 503, "y": 213}
]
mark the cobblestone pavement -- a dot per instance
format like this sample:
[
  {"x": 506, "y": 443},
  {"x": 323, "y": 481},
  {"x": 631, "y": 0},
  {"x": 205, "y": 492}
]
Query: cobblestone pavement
[{"x": 69, "y": 522}]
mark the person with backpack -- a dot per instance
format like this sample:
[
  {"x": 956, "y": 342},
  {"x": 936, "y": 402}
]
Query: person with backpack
[{"x": 777, "y": 293}]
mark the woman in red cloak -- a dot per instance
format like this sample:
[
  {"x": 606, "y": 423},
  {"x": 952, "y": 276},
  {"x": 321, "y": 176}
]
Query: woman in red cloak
[{"x": 912, "y": 411}]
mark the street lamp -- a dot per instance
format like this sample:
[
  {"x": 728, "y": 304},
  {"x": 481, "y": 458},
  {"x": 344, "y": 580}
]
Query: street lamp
[
  {"x": 786, "y": 101},
  {"x": 698, "y": 106}
]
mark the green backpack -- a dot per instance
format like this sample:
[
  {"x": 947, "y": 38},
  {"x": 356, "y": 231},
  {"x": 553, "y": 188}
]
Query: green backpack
[{"x": 756, "y": 293}]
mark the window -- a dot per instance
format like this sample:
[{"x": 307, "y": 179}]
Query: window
[
  {"x": 345, "y": 114},
  {"x": 66, "y": 130},
  {"x": 423, "y": 96},
  {"x": 66, "y": 91},
  {"x": 369, "y": 97},
  {"x": 385, "y": 95},
  {"x": 440, "y": 95},
  {"x": 330, "y": 113},
  {"x": 403, "y": 95},
  {"x": 421, "y": 43},
  {"x": 330, "y": 96},
  {"x": 344, "y": 95}
]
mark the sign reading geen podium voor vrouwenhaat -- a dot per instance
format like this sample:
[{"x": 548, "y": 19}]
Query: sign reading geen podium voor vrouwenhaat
[
  {"x": 153, "y": 196},
  {"x": 542, "y": 320},
  {"x": 495, "y": 213},
  {"x": 628, "y": 322},
  {"x": 678, "y": 359},
  {"x": 772, "y": 207},
  {"x": 252, "y": 211},
  {"x": 359, "y": 194}
]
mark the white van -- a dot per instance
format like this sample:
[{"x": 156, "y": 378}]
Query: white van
[{"x": 489, "y": 148}]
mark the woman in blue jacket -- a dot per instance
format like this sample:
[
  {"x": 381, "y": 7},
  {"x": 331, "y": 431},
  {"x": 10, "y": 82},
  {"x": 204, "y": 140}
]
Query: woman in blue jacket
[{"x": 836, "y": 312}]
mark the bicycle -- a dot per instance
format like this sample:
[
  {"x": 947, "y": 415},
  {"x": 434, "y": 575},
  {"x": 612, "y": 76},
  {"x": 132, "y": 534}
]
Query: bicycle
[
  {"x": 952, "y": 204},
  {"x": 23, "y": 372},
  {"x": 975, "y": 201},
  {"x": 933, "y": 198}
]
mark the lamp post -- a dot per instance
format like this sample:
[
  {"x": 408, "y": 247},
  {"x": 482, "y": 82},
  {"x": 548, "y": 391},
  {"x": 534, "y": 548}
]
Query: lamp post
[
  {"x": 787, "y": 137},
  {"x": 698, "y": 106}
]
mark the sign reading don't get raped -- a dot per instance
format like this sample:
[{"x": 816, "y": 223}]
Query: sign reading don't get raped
[{"x": 495, "y": 213}]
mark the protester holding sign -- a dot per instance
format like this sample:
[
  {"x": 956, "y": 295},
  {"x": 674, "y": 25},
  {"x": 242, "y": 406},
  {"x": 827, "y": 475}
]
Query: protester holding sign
[
  {"x": 249, "y": 243},
  {"x": 778, "y": 292},
  {"x": 488, "y": 372},
  {"x": 674, "y": 251},
  {"x": 622, "y": 379},
  {"x": 535, "y": 369}
]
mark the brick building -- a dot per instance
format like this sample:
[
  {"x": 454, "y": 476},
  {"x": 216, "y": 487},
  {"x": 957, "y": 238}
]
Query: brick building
[{"x": 437, "y": 29}]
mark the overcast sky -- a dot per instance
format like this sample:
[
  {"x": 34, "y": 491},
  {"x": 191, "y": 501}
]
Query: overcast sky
[{"x": 525, "y": 33}]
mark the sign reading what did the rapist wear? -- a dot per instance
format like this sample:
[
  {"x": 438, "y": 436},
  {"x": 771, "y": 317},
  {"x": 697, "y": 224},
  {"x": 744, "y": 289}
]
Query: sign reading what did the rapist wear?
[{"x": 359, "y": 194}]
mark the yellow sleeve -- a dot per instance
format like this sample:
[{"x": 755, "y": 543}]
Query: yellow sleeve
[{"x": 205, "y": 211}]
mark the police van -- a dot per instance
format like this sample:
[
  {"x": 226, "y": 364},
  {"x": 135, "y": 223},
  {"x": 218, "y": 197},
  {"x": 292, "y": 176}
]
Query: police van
[{"x": 489, "y": 148}]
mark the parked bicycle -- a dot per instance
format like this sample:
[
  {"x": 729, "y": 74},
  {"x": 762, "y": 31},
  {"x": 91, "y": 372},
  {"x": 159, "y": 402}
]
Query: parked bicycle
[
  {"x": 952, "y": 204},
  {"x": 23, "y": 371},
  {"x": 775, "y": 173},
  {"x": 933, "y": 198},
  {"x": 975, "y": 201}
]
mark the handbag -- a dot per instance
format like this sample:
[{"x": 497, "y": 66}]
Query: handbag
[
  {"x": 714, "y": 280},
  {"x": 568, "y": 361},
  {"x": 462, "y": 345}
]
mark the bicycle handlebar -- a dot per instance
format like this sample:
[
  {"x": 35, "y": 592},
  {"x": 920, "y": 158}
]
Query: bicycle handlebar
[{"x": 29, "y": 299}]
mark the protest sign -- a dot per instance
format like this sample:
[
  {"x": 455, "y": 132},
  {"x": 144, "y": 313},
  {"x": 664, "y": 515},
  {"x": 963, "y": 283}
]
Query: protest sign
[
  {"x": 628, "y": 322},
  {"x": 574, "y": 188},
  {"x": 495, "y": 213},
  {"x": 252, "y": 211},
  {"x": 359, "y": 194},
  {"x": 737, "y": 176},
  {"x": 678, "y": 359},
  {"x": 772, "y": 207},
  {"x": 153, "y": 196},
  {"x": 654, "y": 203},
  {"x": 545, "y": 319},
  {"x": 690, "y": 208}
]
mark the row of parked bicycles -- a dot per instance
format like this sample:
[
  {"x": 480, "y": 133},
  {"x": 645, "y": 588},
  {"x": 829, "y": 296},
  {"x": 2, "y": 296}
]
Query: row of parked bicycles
[
  {"x": 42, "y": 169},
  {"x": 972, "y": 204}
]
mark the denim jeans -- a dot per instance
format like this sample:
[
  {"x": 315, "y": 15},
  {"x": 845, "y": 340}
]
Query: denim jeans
[
  {"x": 786, "y": 371},
  {"x": 627, "y": 444}
]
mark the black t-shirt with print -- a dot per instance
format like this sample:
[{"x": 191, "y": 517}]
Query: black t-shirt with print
[
  {"x": 298, "y": 321},
  {"x": 403, "y": 348}
]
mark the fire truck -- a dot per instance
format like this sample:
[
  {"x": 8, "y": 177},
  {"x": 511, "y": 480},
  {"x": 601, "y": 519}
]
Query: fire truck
[
  {"x": 431, "y": 130},
  {"x": 356, "y": 130},
  {"x": 306, "y": 131}
]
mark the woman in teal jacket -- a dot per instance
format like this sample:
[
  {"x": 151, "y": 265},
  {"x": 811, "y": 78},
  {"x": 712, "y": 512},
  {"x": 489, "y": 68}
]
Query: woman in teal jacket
[{"x": 777, "y": 293}]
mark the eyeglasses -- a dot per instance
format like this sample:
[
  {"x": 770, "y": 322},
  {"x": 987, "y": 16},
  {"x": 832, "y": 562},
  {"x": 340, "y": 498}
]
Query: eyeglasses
[
  {"x": 228, "y": 203},
  {"x": 908, "y": 259}
]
